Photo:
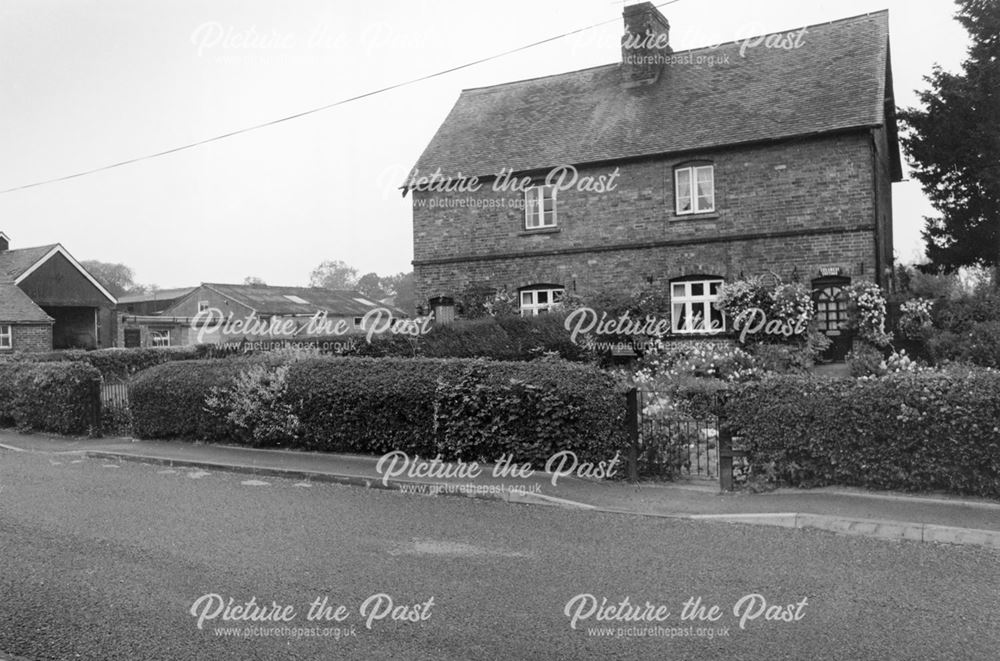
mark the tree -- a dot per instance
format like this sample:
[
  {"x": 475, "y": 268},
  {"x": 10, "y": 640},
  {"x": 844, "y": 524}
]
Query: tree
[
  {"x": 370, "y": 285},
  {"x": 400, "y": 286},
  {"x": 116, "y": 278},
  {"x": 953, "y": 143},
  {"x": 334, "y": 274},
  {"x": 254, "y": 280}
]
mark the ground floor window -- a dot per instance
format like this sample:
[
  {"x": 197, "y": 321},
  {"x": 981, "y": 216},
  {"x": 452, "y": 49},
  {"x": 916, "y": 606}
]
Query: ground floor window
[
  {"x": 537, "y": 300},
  {"x": 159, "y": 338},
  {"x": 6, "y": 337},
  {"x": 692, "y": 304}
]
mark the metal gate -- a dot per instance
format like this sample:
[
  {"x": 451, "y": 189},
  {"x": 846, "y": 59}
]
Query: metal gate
[{"x": 680, "y": 438}]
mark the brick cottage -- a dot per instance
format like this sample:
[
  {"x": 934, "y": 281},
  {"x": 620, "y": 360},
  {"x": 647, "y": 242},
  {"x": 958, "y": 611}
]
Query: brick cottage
[
  {"x": 688, "y": 169},
  {"x": 49, "y": 301}
]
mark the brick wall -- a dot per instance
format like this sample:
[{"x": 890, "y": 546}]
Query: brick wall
[
  {"x": 31, "y": 338},
  {"x": 790, "y": 207}
]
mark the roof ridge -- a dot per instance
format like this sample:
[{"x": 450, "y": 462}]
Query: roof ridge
[{"x": 688, "y": 50}]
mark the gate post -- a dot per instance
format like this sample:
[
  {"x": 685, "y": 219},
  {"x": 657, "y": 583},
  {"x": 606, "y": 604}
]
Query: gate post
[
  {"x": 725, "y": 456},
  {"x": 632, "y": 426}
]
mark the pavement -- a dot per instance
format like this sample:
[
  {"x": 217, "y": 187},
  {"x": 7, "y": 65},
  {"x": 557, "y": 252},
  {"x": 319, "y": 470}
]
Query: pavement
[{"x": 934, "y": 518}]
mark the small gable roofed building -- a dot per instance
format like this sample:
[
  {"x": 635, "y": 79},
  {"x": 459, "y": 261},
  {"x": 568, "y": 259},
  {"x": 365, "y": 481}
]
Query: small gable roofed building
[
  {"x": 49, "y": 301},
  {"x": 677, "y": 170},
  {"x": 177, "y": 324}
]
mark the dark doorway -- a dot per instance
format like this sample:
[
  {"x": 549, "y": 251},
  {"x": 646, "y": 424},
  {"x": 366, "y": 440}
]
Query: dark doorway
[
  {"x": 133, "y": 338},
  {"x": 74, "y": 328},
  {"x": 830, "y": 298}
]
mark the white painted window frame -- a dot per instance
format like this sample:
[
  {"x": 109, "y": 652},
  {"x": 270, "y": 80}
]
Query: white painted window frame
[
  {"x": 155, "y": 333},
  {"x": 692, "y": 189},
  {"x": 528, "y": 300},
  {"x": 701, "y": 303},
  {"x": 534, "y": 207}
]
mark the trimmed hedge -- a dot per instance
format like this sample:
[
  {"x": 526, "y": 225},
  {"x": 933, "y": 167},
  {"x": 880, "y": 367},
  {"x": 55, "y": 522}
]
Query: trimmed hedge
[
  {"x": 63, "y": 398},
  {"x": 118, "y": 364},
  {"x": 468, "y": 409},
  {"x": 916, "y": 432},
  {"x": 509, "y": 337},
  {"x": 168, "y": 400}
]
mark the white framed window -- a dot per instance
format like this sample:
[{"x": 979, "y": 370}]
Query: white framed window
[
  {"x": 358, "y": 321},
  {"x": 6, "y": 337},
  {"x": 159, "y": 338},
  {"x": 537, "y": 301},
  {"x": 202, "y": 306},
  {"x": 692, "y": 305},
  {"x": 539, "y": 207},
  {"x": 694, "y": 189}
]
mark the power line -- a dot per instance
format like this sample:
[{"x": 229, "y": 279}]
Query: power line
[{"x": 304, "y": 113}]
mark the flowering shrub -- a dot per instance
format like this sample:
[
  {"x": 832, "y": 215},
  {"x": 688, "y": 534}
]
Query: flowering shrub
[
  {"x": 484, "y": 301},
  {"x": 712, "y": 360},
  {"x": 792, "y": 303},
  {"x": 898, "y": 361},
  {"x": 915, "y": 317},
  {"x": 869, "y": 312},
  {"x": 255, "y": 404},
  {"x": 739, "y": 296},
  {"x": 789, "y": 304},
  {"x": 864, "y": 360},
  {"x": 503, "y": 303}
]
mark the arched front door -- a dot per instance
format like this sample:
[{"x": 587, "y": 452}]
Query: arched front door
[{"x": 830, "y": 298}]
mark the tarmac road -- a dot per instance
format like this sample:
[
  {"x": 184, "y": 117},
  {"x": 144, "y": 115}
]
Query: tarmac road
[{"x": 104, "y": 561}]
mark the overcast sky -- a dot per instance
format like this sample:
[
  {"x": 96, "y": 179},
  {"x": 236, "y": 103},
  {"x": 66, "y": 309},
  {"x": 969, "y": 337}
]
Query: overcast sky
[{"x": 88, "y": 83}]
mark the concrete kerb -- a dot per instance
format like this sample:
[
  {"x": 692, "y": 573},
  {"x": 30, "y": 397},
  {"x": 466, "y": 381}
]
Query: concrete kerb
[
  {"x": 880, "y": 529},
  {"x": 412, "y": 487}
]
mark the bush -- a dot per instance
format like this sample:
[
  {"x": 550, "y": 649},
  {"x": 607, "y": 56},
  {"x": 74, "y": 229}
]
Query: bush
[
  {"x": 499, "y": 338},
  {"x": 468, "y": 409},
  {"x": 119, "y": 364},
  {"x": 529, "y": 412},
  {"x": 915, "y": 432},
  {"x": 169, "y": 400},
  {"x": 50, "y": 397},
  {"x": 866, "y": 360},
  {"x": 256, "y": 406}
]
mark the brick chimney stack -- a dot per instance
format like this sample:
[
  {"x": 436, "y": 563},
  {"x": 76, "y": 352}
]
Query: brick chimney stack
[{"x": 645, "y": 44}]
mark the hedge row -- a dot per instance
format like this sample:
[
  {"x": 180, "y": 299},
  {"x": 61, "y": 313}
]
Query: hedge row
[
  {"x": 914, "y": 432},
  {"x": 63, "y": 398},
  {"x": 468, "y": 409},
  {"x": 499, "y": 338},
  {"x": 118, "y": 364}
]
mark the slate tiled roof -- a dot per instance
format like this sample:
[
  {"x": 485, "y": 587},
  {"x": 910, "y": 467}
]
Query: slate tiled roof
[
  {"x": 158, "y": 295},
  {"x": 15, "y": 262},
  {"x": 835, "y": 81},
  {"x": 17, "y": 307},
  {"x": 267, "y": 300}
]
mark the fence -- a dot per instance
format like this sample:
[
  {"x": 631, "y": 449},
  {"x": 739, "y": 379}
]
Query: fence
[
  {"x": 116, "y": 414},
  {"x": 680, "y": 438}
]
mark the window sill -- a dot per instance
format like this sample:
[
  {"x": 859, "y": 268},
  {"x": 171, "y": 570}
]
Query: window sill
[
  {"x": 540, "y": 230},
  {"x": 708, "y": 215}
]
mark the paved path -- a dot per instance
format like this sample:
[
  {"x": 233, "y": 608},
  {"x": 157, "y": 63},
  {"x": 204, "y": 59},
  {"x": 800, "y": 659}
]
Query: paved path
[
  {"x": 103, "y": 560},
  {"x": 887, "y": 515}
]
